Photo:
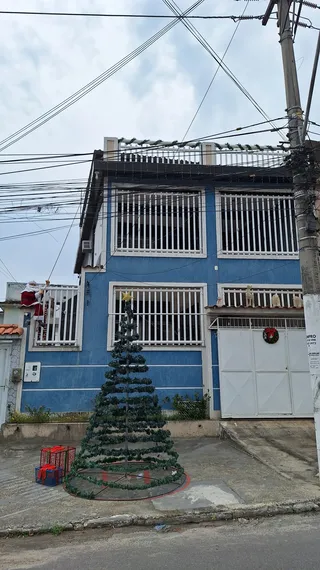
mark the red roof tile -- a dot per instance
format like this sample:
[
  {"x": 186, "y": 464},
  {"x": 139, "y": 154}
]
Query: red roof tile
[{"x": 10, "y": 329}]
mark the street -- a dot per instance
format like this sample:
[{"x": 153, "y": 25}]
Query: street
[{"x": 283, "y": 543}]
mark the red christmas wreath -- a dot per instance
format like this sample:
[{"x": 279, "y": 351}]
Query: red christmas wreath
[{"x": 270, "y": 335}]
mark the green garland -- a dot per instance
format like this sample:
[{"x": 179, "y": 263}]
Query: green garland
[{"x": 126, "y": 414}]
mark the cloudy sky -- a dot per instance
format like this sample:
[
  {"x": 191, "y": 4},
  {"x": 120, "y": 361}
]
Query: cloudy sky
[{"x": 44, "y": 60}]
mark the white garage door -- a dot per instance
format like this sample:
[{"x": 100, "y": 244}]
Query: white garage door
[{"x": 264, "y": 380}]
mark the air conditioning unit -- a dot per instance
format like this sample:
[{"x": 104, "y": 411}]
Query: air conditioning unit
[{"x": 86, "y": 245}]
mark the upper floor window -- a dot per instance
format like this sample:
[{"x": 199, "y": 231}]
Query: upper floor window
[
  {"x": 257, "y": 225},
  {"x": 146, "y": 222}
]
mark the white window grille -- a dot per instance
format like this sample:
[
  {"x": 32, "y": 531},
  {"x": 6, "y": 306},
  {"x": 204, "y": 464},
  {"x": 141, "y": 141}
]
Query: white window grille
[
  {"x": 165, "y": 316},
  {"x": 257, "y": 225},
  {"x": 167, "y": 222},
  {"x": 235, "y": 296},
  {"x": 60, "y": 317}
]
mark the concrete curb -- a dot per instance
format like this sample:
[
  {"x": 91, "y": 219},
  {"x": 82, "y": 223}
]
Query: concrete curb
[
  {"x": 64, "y": 432},
  {"x": 213, "y": 514}
]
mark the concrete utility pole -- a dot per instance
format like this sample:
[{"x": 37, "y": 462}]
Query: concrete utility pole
[{"x": 304, "y": 184}]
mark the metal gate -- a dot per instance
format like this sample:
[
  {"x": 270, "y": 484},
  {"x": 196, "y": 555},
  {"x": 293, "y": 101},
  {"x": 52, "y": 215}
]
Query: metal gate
[
  {"x": 4, "y": 381},
  {"x": 263, "y": 380}
]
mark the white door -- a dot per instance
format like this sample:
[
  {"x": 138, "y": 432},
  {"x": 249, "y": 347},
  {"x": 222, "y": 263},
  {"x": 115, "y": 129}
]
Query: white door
[
  {"x": 271, "y": 376},
  {"x": 4, "y": 381},
  {"x": 237, "y": 381},
  {"x": 264, "y": 380}
]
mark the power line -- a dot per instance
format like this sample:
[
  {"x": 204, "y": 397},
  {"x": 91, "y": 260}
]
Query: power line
[
  {"x": 193, "y": 30},
  {"x": 38, "y": 157},
  {"x": 36, "y": 123},
  {"x": 103, "y": 15},
  {"x": 310, "y": 4},
  {"x": 8, "y": 270},
  {"x": 64, "y": 243},
  {"x": 44, "y": 167},
  {"x": 115, "y": 153},
  {"x": 297, "y": 19},
  {"x": 215, "y": 74},
  {"x": 31, "y": 234},
  {"x": 75, "y": 162}
]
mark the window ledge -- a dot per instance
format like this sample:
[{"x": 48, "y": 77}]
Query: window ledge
[
  {"x": 117, "y": 253},
  {"x": 55, "y": 348},
  {"x": 294, "y": 256}
]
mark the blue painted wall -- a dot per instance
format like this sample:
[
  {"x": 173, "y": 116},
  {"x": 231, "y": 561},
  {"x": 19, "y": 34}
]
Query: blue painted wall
[{"x": 70, "y": 380}]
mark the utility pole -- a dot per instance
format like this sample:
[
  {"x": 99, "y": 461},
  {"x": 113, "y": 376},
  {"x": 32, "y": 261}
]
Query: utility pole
[{"x": 304, "y": 185}]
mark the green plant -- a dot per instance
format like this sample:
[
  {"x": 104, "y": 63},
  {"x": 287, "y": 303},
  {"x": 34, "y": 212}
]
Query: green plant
[
  {"x": 70, "y": 417},
  {"x": 56, "y": 530},
  {"x": 187, "y": 408},
  {"x": 39, "y": 415},
  {"x": 18, "y": 418}
]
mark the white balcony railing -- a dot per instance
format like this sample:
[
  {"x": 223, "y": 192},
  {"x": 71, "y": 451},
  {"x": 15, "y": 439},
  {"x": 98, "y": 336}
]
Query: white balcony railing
[
  {"x": 193, "y": 152},
  {"x": 235, "y": 295},
  {"x": 59, "y": 328}
]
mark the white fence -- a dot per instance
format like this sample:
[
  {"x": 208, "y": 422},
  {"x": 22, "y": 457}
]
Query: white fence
[
  {"x": 193, "y": 152},
  {"x": 262, "y": 296},
  {"x": 60, "y": 307}
]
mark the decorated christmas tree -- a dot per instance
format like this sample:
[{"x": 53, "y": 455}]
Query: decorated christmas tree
[{"x": 126, "y": 453}]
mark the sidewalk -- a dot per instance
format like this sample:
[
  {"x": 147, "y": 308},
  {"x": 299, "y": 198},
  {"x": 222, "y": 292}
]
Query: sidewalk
[{"x": 225, "y": 483}]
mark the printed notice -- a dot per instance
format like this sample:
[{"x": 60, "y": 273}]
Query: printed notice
[{"x": 313, "y": 352}]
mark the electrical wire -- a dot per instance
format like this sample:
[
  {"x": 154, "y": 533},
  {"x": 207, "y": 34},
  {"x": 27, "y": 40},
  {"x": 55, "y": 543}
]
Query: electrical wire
[
  {"x": 63, "y": 244},
  {"x": 297, "y": 19},
  {"x": 310, "y": 4},
  {"x": 114, "y": 215},
  {"x": 31, "y": 234},
  {"x": 193, "y": 30},
  {"x": 115, "y": 153},
  {"x": 8, "y": 270},
  {"x": 36, "y": 123},
  {"x": 44, "y": 187},
  {"x": 103, "y": 15},
  {"x": 47, "y": 157},
  {"x": 214, "y": 75},
  {"x": 44, "y": 167},
  {"x": 75, "y": 162}
]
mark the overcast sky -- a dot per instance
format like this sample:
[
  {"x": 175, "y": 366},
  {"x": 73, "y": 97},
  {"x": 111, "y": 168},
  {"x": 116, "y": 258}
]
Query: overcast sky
[{"x": 44, "y": 60}]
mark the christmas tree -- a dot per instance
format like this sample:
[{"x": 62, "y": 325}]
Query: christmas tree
[{"x": 125, "y": 447}]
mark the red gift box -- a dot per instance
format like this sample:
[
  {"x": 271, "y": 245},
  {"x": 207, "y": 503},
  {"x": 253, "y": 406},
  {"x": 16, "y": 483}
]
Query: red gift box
[
  {"x": 60, "y": 456},
  {"x": 49, "y": 475}
]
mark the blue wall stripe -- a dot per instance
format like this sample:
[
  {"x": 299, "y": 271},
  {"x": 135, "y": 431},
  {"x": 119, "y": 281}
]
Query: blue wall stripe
[{"x": 65, "y": 400}]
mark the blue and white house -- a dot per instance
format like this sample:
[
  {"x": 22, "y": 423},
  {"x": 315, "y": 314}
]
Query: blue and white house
[{"x": 185, "y": 228}]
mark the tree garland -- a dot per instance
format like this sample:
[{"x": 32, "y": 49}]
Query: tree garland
[{"x": 126, "y": 413}]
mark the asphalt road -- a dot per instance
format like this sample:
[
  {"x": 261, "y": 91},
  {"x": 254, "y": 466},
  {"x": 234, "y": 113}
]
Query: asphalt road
[{"x": 286, "y": 543}]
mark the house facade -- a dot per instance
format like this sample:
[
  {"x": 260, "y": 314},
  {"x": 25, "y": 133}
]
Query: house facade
[{"x": 185, "y": 228}]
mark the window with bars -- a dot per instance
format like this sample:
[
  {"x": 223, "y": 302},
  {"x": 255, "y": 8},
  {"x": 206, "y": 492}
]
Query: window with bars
[
  {"x": 153, "y": 223},
  {"x": 257, "y": 225},
  {"x": 165, "y": 316},
  {"x": 262, "y": 296}
]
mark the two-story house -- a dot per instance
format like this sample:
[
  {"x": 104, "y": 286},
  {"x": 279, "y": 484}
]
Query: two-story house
[{"x": 185, "y": 228}]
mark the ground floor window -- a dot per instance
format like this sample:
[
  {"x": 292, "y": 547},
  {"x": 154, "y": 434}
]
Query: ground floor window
[{"x": 166, "y": 316}]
